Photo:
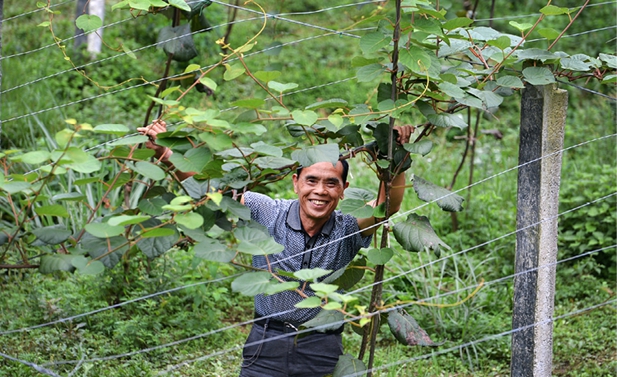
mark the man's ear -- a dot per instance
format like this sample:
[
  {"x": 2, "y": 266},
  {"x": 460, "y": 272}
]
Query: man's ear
[
  {"x": 344, "y": 187},
  {"x": 294, "y": 178}
]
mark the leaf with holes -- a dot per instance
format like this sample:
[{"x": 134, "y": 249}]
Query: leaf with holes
[
  {"x": 407, "y": 331},
  {"x": 252, "y": 283},
  {"x": 348, "y": 365},
  {"x": 416, "y": 234}
]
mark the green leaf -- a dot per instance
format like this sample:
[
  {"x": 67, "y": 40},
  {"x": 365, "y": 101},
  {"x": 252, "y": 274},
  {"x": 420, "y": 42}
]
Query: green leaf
[
  {"x": 323, "y": 288},
  {"x": 304, "y": 117},
  {"x": 380, "y": 256},
  {"x": 407, "y": 331},
  {"x": 131, "y": 140},
  {"x": 127, "y": 220},
  {"x": 549, "y": 33},
  {"x": 310, "y": 302},
  {"x": 252, "y": 283},
  {"x": 430, "y": 192},
  {"x": 510, "y": 82},
  {"x": 416, "y": 234},
  {"x": 249, "y": 103},
  {"x": 86, "y": 266},
  {"x": 489, "y": 98},
  {"x": 108, "y": 251},
  {"x": 416, "y": 59},
  {"x": 370, "y": 72},
  {"x": 447, "y": 120},
  {"x": 13, "y": 187},
  {"x": 273, "y": 162},
  {"x": 551, "y": 10},
  {"x": 358, "y": 193},
  {"x": 208, "y": 82},
  {"x": 521, "y": 27},
  {"x": 428, "y": 25},
  {"x": 152, "y": 206},
  {"x": 574, "y": 64},
  {"x": 267, "y": 76},
  {"x": 348, "y": 365},
  {"x": 233, "y": 71},
  {"x": 280, "y": 87},
  {"x": 155, "y": 242},
  {"x": 267, "y": 149},
  {"x": 52, "y": 235},
  {"x": 265, "y": 247},
  {"x": 327, "y": 104},
  {"x": 610, "y": 60},
  {"x": 52, "y": 210},
  {"x": 213, "y": 250},
  {"x": 348, "y": 276},
  {"x": 277, "y": 287},
  {"x": 308, "y": 156},
  {"x": 357, "y": 208},
  {"x": 374, "y": 41},
  {"x": 32, "y": 158},
  {"x": 194, "y": 160},
  {"x": 456, "y": 23},
  {"x": 177, "y": 41},
  {"x": 149, "y": 170},
  {"x": 104, "y": 230},
  {"x": 451, "y": 89},
  {"x": 56, "y": 262},
  {"x": 422, "y": 147},
  {"x": 538, "y": 75},
  {"x": 311, "y": 274},
  {"x": 326, "y": 320},
  {"x": 111, "y": 129},
  {"x": 88, "y": 22},
  {"x": 501, "y": 43},
  {"x": 190, "y": 220}
]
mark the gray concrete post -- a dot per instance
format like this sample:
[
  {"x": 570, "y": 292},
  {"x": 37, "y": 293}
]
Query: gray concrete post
[{"x": 543, "y": 114}]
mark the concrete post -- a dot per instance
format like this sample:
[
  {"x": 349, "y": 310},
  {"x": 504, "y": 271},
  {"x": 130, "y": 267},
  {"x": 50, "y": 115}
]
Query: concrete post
[{"x": 543, "y": 114}]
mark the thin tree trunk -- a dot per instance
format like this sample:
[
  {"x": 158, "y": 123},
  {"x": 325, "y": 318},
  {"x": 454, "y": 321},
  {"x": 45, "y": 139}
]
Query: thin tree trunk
[{"x": 95, "y": 39}]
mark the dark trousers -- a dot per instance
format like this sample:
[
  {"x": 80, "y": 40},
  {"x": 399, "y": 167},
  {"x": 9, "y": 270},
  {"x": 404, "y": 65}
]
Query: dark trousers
[{"x": 281, "y": 352}]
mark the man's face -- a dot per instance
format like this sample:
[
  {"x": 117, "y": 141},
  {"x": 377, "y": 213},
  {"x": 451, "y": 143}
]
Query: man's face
[{"x": 319, "y": 188}]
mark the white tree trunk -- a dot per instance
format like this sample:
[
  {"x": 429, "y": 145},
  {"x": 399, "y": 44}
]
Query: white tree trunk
[{"x": 96, "y": 8}]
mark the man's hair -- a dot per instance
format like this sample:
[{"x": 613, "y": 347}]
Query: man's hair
[{"x": 345, "y": 170}]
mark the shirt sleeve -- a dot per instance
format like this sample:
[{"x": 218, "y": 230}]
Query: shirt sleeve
[{"x": 263, "y": 208}]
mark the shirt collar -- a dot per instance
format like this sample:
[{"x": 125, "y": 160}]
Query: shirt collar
[{"x": 294, "y": 222}]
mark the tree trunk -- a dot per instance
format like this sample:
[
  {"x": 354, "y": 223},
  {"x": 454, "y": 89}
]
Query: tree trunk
[{"x": 95, "y": 40}]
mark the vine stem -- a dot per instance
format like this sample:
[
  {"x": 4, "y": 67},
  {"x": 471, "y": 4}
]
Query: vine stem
[{"x": 568, "y": 26}]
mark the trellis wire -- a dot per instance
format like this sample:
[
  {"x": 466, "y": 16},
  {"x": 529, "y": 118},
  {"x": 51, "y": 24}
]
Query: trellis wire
[
  {"x": 33, "y": 11},
  {"x": 199, "y": 336},
  {"x": 376, "y": 225},
  {"x": 536, "y": 14}
]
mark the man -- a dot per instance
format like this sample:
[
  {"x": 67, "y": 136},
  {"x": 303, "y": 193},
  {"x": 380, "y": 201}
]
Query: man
[{"x": 314, "y": 235}]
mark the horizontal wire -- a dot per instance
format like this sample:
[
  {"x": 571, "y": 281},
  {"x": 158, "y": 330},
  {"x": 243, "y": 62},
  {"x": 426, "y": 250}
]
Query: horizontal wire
[
  {"x": 538, "y": 14},
  {"x": 273, "y": 16},
  {"x": 284, "y": 259},
  {"x": 442, "y": 295},
  {"x": 325, "y": 9},
  {"x": 587, "y": 90},
  {"x": 32, "y": 11},
  {"x": 34, "y": 366},
  {"x": 574, "y": 35},
  {"x": 486, "y": 338}
]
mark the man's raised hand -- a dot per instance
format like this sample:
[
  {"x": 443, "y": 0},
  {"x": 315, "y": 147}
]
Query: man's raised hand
[{"x": 152, "y": 130}]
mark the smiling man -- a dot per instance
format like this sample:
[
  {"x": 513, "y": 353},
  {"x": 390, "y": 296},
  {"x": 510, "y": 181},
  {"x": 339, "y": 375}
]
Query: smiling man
[{"x": 314, "y": 235}]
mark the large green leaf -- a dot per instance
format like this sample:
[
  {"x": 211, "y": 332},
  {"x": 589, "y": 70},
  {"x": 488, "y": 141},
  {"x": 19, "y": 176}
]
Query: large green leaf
[
  {"x": 380, "y": 256},
  {"x": 252, "y": 283},
  {"x": 422, "y": 147},
  {"x": 104, "y": 230},
  {"x": 348, "y": 365},
  {"x": 447, "y": 120},
  {"x": 538, "y": 75},
  {"x": 304, "y": 117},
  {"x": 86, "y": 266},
  {"x": 194, "y": 160},
  {"x": 370, "y": 72},
  {"x": 127, "y": 220},
  {"x": 310, "y": 274},
  {"x": 56, "y": 262},
  {"x": 416, "y": 234},
  {"x": 13, "y": 187},
  {"x": 88, "y": 22},
  {"x": 32, "y": 158},
  {"x": 407, "y": 331},
  {"x": 345, "y": 278},
  {"x": 148, "y": 170},
  {"x": 190, "y": 220},
  {"x": 108, "y": 250},
  {"x": 358, "y": 193},
  {"x": 357, "y": 208},
  {"x": 52, "y": 210},
  {"x": 374, "y": 41},
  {"x": 81, "y": 161},
  {"x": 267, "y": 149},
  {"x": 309, "y": 302},
  {"x": 308, "y": 156},
  {"x": 213, "y": 250},
  {"x": 112, "y": 129},
  {"x": 156, "y": 242},
  {"x": 265, "y": 247},
  {"x": 430, "y": 192},
  {"x": 326, "y": 320},
  {"x": 416, "y": 59},
  {"x": 280, "y": 87},
  {"x": 327, "y": 104},
  {"x": 273, "y": 162},
  {"x": 177, "y": 41},
  {"x": 52, "y": 235}
]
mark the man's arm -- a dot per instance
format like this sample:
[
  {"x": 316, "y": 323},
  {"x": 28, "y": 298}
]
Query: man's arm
[
  {"x": 397, "y": 190},
  {"x": 161, "y": 153}
]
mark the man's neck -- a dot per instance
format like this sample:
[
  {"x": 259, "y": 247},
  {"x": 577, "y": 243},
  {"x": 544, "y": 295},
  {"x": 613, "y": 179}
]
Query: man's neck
[{"x": 312, "y": 227}]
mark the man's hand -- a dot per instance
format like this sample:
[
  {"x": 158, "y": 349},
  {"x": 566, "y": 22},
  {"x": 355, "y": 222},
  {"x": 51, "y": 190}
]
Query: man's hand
[
  {"x": 156, "y": 127},
  {"x": 404, "y": 133}
]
